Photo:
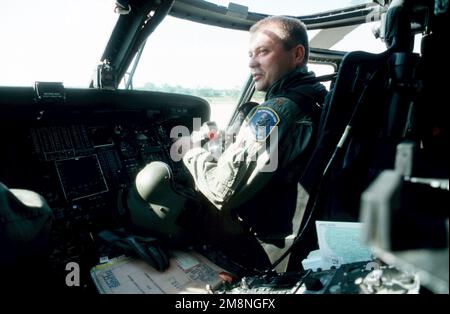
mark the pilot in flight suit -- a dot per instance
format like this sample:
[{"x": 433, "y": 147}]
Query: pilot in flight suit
[
  {"x": 251, "y": 187},
  {"x": 249, "y": 184}
]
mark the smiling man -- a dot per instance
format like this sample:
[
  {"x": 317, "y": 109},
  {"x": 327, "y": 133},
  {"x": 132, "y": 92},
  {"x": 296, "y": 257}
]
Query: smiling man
[{"x": 252, "y": 186}]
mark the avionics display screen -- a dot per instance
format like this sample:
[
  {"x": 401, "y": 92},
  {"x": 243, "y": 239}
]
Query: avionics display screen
[{"x": 81, "y": 177}]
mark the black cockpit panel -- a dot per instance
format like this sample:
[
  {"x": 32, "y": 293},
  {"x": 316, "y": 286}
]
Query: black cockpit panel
[{"x": 82, "y": 151}]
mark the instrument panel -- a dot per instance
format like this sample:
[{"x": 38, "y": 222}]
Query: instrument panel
[
  {"x": 82, "y": 159},
  {"x": 82, "y": 170}
]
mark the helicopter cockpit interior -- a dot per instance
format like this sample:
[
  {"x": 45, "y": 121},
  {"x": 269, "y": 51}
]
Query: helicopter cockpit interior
[{"x": 71, "y": 153}]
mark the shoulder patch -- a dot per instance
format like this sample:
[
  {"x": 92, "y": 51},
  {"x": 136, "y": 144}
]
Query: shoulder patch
[{"x": 262, "y": 122}]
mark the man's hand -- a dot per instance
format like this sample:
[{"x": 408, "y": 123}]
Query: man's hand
[{"x": 207, "y": 132}]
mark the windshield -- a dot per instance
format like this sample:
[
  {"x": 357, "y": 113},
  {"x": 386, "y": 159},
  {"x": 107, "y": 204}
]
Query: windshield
[
  {"x": 202, "y": 60},
  {"x": 196, "y": 59},
  {"x": 212, "y": 62},
  {"x": 292, "y": 7},
  {"x": 53, "y": 40},
  {"x": 63, "y": 40}
]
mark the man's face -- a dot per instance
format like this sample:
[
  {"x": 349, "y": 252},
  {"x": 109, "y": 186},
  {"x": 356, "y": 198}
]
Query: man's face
[{"x": 269, "y": 60}]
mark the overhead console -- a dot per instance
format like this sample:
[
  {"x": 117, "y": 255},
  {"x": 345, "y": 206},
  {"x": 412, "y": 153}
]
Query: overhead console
[{"x": 81, "y": 149}]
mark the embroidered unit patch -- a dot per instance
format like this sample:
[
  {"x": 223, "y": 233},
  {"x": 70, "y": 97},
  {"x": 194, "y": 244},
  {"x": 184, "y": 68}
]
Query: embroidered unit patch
[{"x": 262, "y": 122}]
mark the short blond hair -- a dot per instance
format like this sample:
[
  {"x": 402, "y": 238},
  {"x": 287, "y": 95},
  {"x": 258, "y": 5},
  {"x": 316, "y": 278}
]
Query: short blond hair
[{"x": 293, "y": 31}]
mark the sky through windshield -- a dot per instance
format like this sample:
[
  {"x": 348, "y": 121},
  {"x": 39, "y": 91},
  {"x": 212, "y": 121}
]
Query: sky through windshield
[{"x": 63, "y": 40}]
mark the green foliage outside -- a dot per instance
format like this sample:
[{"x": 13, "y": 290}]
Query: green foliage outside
[
  {"x": 203, "y": 92},
  {"x": 222, "y": 101},
  {"x": 212, "y": 95}
]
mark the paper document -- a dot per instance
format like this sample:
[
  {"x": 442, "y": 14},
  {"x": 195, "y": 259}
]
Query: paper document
[
  {"x": 189, "y": 272},
  {"x": 340, "y": 242}
]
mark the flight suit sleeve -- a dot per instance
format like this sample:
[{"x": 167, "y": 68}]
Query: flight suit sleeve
[{"x": 248, "y": 163}]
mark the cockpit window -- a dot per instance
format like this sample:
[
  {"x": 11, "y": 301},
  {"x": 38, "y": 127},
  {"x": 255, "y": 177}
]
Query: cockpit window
[
  {"x": 292, "y": 7},
  {"x": 196, "y": 59},
  {"x": 53, "y": 40},
  {"x": 211, "y": 62},
  {"x": 360, "y": 38},
  {"x": 347, "y": 38}
]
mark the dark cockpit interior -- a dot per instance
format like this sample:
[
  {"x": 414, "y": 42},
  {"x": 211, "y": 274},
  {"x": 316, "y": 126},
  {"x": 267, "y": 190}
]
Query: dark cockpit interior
[{"x": 81, "y": 148}]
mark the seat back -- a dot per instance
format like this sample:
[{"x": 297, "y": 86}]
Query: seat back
[
  {"x": 333, "y": 179},
  {"x": 355, "y": 108},
  {"x": 366, "y": 115}
]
